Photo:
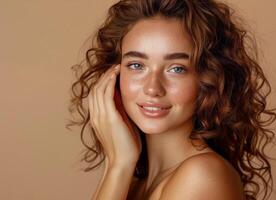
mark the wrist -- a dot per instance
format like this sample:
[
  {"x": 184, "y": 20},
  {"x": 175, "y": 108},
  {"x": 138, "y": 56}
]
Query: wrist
[
  {"x": 121, "y": 163},
  {"x": 121, "y": 171}
]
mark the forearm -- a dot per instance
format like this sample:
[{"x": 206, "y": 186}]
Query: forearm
[{"x": 115, "y": 182}]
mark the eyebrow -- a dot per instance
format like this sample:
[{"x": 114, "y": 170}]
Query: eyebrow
[{"x": 171, "y": 56}]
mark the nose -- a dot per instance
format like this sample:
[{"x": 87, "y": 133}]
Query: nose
[{"x": 153, "y": 86}]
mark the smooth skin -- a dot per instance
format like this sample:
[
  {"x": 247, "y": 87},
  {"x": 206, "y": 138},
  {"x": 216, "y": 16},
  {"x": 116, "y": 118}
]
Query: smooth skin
[
  {"x": 121, "y": 145},
  {"x": 200, "y": 175}
]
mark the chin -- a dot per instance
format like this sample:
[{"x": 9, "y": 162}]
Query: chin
[{"x": 150, "y": 127}]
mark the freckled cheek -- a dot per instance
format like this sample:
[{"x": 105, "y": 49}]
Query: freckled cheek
[
  {"x": 129, "y": 86},
  {"x": 184, "y": 93},
  {"x": 178, "y": 92}
]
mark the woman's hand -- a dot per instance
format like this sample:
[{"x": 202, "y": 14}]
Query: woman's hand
[{"x": 117, "y": 135}]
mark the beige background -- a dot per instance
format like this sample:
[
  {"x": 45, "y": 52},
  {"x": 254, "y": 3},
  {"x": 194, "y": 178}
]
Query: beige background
[{"x": 39, "y": 42}]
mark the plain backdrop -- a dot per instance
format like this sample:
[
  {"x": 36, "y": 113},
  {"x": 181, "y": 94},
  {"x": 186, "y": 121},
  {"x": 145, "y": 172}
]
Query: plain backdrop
[{"x": 39, "y": 41}]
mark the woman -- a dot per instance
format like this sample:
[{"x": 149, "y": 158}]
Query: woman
[{"x": 174, "y": 103}]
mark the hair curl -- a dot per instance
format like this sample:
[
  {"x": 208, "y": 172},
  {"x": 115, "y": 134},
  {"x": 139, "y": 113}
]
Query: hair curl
[{"x": 231, "y": 100}]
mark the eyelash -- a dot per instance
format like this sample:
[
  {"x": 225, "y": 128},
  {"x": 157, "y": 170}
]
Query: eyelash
[{"x": 183, "y": 69}]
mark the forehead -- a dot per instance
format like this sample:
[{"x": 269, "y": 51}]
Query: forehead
[{"x": 157, "y": 35}]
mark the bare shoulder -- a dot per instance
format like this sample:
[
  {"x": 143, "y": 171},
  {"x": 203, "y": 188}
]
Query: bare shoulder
[{"x": 204, "y": 175}]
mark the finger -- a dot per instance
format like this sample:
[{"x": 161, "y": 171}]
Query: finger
[
  {"x": 94, "y": 107},
  {"x": 100, "y": 89},
  {"x": 104, "y": 83},
  {"x": 109, "y": 93},
  {"x": 94, "y": 92},
  {"x": 105, "y": 74},
  {"x": 92, "y": 114}
]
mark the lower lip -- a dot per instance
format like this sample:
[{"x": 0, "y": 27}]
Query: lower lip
[{"x": 154, "y": 113}]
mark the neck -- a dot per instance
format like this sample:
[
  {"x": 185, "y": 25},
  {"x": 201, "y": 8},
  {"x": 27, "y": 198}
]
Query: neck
[{"x": 167, "y": 150}]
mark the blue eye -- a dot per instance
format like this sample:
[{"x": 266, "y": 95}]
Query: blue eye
[
  {"x": 182, "y": 70},
  {"x": 133, "y": 64},
  {"x": 137, "y": 66}
]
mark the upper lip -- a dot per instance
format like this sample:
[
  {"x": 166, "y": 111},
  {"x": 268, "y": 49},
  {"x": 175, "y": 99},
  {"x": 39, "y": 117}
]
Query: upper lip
[{"x": 153, "y": 104}]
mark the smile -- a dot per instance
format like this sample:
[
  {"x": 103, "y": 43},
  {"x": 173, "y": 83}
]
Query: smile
[{"x": 153, "y": 112}]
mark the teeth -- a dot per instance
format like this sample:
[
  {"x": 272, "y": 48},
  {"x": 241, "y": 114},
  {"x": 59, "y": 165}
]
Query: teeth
[{"x": 152, "y": 108}]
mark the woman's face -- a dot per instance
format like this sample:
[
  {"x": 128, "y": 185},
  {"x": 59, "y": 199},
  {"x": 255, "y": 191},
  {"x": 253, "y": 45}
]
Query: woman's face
[{"x": 153, "y": 75}]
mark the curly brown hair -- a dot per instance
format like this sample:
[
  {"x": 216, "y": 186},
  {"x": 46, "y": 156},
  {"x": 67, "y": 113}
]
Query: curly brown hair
[{"x": 231, "y": 99}]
